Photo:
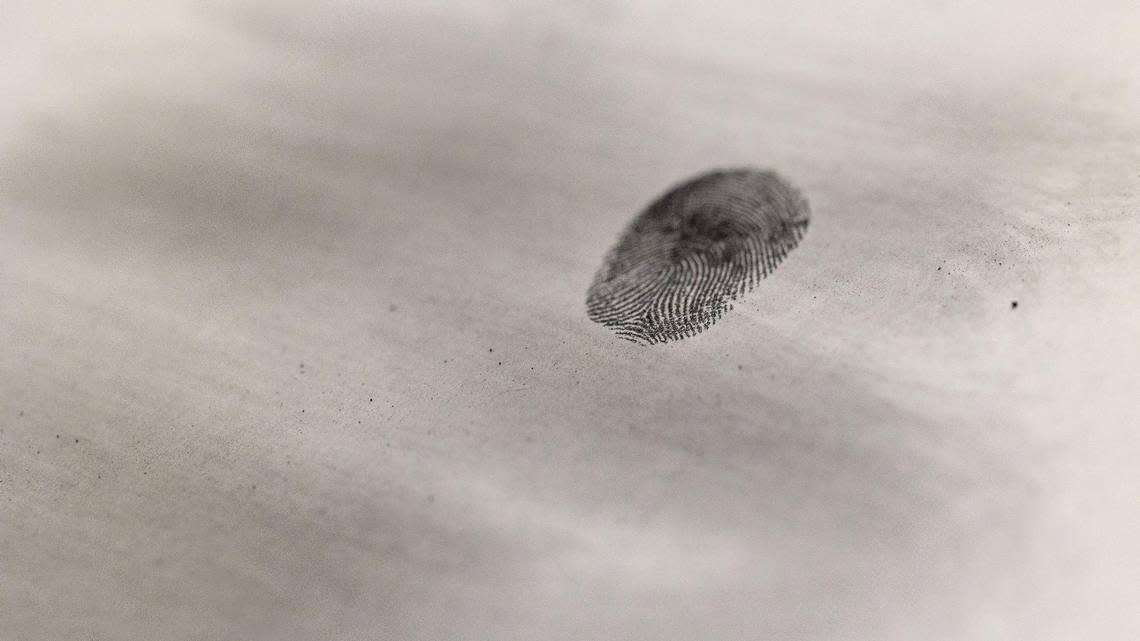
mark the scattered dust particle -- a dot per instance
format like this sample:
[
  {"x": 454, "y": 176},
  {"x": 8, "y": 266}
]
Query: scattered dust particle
[
  {"x": 1013, "y": 304},
  {"x": 391, "y": 308}
]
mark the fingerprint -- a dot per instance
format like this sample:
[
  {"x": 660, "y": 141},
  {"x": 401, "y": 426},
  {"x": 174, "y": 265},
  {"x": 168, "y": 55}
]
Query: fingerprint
[{"x": 704, "y": 243}]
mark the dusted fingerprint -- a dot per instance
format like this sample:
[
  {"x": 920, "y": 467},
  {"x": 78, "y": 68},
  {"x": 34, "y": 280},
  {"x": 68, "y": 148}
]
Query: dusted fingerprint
[{"x": 683, "y": 260}]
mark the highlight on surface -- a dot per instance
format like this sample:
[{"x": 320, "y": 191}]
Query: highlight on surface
[{"x": 701, "y": 245}]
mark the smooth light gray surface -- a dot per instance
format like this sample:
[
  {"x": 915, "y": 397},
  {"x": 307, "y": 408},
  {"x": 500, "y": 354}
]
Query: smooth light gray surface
[{"x": 195, "y": 200}]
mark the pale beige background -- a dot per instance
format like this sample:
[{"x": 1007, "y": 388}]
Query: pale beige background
[{"x": 195, "y": 199}]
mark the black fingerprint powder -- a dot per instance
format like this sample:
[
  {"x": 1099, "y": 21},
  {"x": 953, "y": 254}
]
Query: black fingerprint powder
[{"x": 683, "y": 260}]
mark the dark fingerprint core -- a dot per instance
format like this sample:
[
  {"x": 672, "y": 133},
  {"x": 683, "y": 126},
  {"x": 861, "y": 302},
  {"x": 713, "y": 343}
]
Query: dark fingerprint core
[{"x": 683, "y": 260}]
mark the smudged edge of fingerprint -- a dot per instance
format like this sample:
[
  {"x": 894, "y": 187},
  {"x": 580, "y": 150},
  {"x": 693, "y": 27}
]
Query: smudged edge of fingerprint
[{"x": 641, "y": 319}]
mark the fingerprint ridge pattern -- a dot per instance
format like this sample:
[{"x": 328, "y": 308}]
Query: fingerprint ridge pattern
[{"x": 705, "y": 243}]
